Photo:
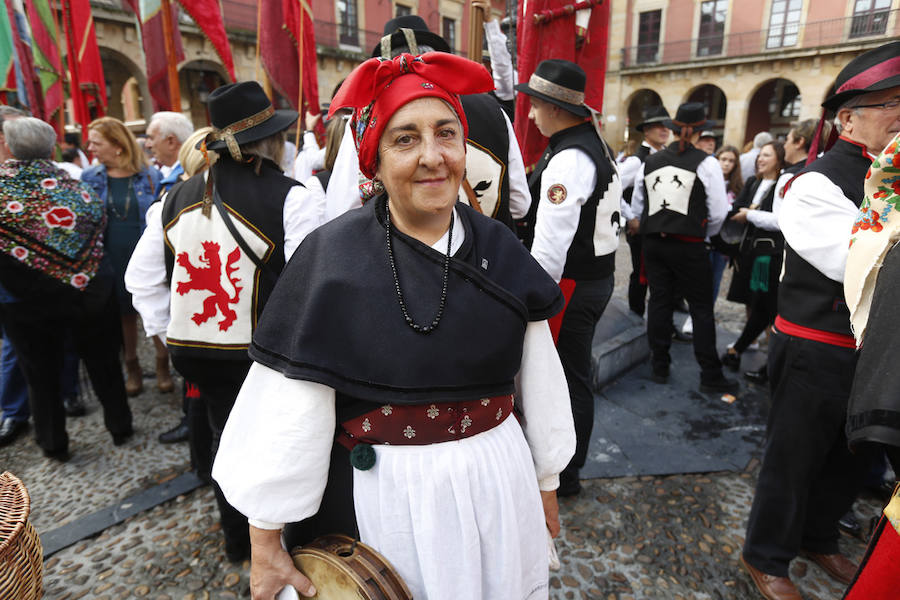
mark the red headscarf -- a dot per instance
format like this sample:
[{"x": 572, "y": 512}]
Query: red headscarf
[{"x": 377, "y": 88}]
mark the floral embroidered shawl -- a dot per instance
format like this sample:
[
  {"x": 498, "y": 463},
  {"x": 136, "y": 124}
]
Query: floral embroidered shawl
[
  {"x": 875, "y": 232},
  {"x": 50, "y": 222}
]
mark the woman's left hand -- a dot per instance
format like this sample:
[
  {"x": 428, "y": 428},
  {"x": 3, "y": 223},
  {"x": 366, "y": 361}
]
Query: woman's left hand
[
  {"x": 551, "y": 511},
  {"x": 741, "y": 216}
]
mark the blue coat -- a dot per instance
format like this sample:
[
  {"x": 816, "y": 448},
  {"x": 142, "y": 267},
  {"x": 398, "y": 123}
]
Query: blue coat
[{"x": 146, "y": 185}]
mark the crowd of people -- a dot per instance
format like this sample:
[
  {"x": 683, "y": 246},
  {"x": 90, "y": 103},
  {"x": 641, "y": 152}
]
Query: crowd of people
[{"x": 388, "y": 333}]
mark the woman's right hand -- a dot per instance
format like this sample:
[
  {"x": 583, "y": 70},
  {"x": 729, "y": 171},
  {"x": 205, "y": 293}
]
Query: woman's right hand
[{"x": 271, "y": 567}]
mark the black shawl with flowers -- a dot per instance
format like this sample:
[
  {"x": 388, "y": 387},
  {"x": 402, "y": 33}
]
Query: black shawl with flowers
[{"x": 49, "y": 223}]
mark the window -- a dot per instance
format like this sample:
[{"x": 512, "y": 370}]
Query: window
[
  {"x": 784, "y": 23},
  {"x": 648, "y": 36},
  {"x": 347, "y": 28},
  {"x": 870, "y": 17},
  {"x": 402, "y": 10},
  {"x": 712, "y": 27},
  {"x": 448, "y": 28}
]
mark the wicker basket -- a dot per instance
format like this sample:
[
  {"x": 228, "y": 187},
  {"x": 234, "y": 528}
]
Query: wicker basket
[{"x": 21, "y": 560}]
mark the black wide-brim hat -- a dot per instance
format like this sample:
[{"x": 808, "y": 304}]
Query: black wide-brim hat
[
  {"x": 872, "y": 71},
  {"x": 690, "y": 114},
  {"x": 653, "y": 115},
  {"x": 420, "y": 32},
  {"x": 244, "y": 110},
  {"x": 559, "y": 82}
]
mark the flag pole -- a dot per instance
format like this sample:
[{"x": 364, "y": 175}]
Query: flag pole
[
  {"x": 171, "y": 56},
  {"x": 258, "y": 32},
  {"x": 300, "y": 44},
  {"x": 62, "y": 88}
]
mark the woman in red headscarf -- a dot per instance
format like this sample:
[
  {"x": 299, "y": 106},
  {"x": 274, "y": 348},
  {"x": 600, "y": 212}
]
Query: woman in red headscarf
[{"x": 409, "y": 331}]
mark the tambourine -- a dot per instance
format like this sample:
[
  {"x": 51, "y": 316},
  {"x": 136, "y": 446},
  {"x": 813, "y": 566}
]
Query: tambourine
[{"x": 343, "y": 568}]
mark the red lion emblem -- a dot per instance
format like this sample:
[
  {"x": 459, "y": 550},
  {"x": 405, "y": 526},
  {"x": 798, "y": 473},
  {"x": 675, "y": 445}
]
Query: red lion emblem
[{"x": 207, "y": 277}]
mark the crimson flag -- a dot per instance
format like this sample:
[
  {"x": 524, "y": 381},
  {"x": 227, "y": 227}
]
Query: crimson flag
[
  {"x": 207, "y": 14},
  {"x": 554, "y": 37},
  {"x": 45, "y": 52},
  {"x": 87, "y": 85},
  {"x": 149, "y": 13},
  {"x": 29, "y": 86},
  {"x": 280, "y": 36}
]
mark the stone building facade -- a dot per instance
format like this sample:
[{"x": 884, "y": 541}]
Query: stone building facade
[{"x": 758, "y": 65}]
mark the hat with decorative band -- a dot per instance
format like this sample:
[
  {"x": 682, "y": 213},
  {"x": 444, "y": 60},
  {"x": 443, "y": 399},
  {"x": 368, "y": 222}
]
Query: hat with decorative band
[
  {"x": 408, "y": 32},
  {"x": 653, "y": 115},
  {"x": 559, "y": 82},
  {"x": 872, "y": 71},
  {"x": 242, "y": 113},
  {"x": 691, "y": 116}
]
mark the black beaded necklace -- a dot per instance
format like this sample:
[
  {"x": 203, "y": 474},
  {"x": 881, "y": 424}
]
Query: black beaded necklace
[{"x": 423, "y": 329}]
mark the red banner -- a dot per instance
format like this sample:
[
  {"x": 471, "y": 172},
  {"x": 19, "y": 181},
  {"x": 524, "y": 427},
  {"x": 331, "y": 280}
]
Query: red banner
[
  {"x": 207, "y": 14},
  {"x": 22, "y": 43},
  {"x": 283, "y": 25},
  {"x": 150, "y": 15},
  {"x": 87, "y": 85},
  {"x": 47, "y": 64},
  {"x": 554, "y": 37}
]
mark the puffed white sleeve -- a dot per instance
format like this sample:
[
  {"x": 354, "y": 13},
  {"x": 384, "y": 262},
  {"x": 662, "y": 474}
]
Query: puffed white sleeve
[
  {"x": 275, "y": 451},
  {"x": 638, "y": 194},
  {"x": 544, "y": 397},
  {"x": 501, "y": 61},
  {"x": 710, "y": 174},
  {"x": 301, "y": 214},
  {"x": 310, "y": 158},
  {"x": 145, "y": 276},
  {"x": 519, "y": 194},
  {"x": 343, "y": 187},
  {"x": 816, "y": 219}
]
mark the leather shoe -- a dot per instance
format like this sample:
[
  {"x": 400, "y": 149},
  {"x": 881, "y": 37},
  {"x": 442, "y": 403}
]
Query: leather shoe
[
  {"x": 659, "y": 374},
  {"x": 759, "y": 376},
  {"x": 731, "y": 359},
  {"x": 61, "y": 455},
  {"x": 121, "y": 438},
  {"x": 74, "y": 407},
  {"x": 849, "y": 524},
  {"x": 10, "y": 430},
  {"x": 837, "y": 565},
  {"x": 721, "y": 385},
  {"x": 771, "y": 586},
  {"x": 179, "y": 433}
]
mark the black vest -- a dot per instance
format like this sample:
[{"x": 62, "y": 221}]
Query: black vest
[
  {"x": 217, "y": 292},
  {"x": 807, "y": 297},
  {"x": 674, "y": 197},
  {"x": 487, "y": 155},
  {"x": 582, "y": 260},
  {"x": 758, "y": 242},
  {"x": 642, "y": 153}
]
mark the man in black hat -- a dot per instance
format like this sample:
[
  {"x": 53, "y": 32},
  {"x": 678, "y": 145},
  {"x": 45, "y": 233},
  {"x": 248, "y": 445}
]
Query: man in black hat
[
  {"x": 680, "y": 196},
  {"x": 809, "y": 478},
  {"x": 655, "y": 137},
  {"x": 576, "y": 198},
  {"x": 495, "y": 182},
  {"x": 211, "y": 253}
]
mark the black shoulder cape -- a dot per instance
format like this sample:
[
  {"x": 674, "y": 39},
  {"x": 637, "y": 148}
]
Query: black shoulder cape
[{"x": 334, "y": 316}]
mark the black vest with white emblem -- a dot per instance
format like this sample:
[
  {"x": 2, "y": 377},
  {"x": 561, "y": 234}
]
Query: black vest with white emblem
[
  {"x": 806, "y": 296},
  {"x": 486, "y": 156},
  {"x": 592, "y": 252},
  {"x": 674, "y": 197},
  {"x": 217, "y": 291}
]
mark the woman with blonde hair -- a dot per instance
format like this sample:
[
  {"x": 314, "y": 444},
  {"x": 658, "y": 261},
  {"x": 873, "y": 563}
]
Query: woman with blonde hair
[
  {"x": 127, "y": 185},
  {"x": 192, "y": 160}
]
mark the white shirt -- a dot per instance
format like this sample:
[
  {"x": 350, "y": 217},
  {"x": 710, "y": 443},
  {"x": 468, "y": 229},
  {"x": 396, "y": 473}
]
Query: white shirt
[
  {"x": 816, "y": 219},
  {"x": 748, "y": 162},
  {"x": 343, "y": 187},
  {"x": 501, "y": 61},
  {"x": 311, "y": 158},
  {"x": 287, "y": 159},
  {"x": 628, "y": 170},
  {"x": 710, "y": 174},
  {"x": 555, "y": 225},
  {"x": 145, "y": 276},
  {"x": 72, "y": 169},
  {"x": 165, "y": 170},
  {"x": 762, "y": 218}
]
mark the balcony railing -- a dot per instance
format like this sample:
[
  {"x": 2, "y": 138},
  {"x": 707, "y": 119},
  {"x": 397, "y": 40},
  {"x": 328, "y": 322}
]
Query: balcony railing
[{"x": 785, "y": 37}]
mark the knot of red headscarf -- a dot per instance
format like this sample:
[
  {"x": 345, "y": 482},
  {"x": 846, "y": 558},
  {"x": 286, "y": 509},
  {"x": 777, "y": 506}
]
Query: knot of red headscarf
[{"x": 377, "y": 88}]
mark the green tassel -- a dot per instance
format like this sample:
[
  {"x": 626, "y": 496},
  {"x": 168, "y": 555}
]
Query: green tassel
[
  {"x": 362, "y": 457},
  {"x": 759, "y": 276}
]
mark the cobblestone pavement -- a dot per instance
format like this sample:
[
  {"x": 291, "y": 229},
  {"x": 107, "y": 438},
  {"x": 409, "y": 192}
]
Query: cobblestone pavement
[{"x": 673, "y": 537}]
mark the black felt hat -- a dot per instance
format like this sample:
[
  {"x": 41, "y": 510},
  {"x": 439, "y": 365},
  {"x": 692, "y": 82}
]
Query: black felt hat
[
  {"x": 653, "y": 115},
  {"x": 418, "y": 29},
  {"x": 244, "y": 111},
  {"x": 692, "y": 115},
  {"x": 872, "y": 71},
  {"x": 559, "y": 82}
]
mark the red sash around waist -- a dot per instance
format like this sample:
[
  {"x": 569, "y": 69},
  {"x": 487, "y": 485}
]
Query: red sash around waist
[{"x": 423, "y": 424}]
